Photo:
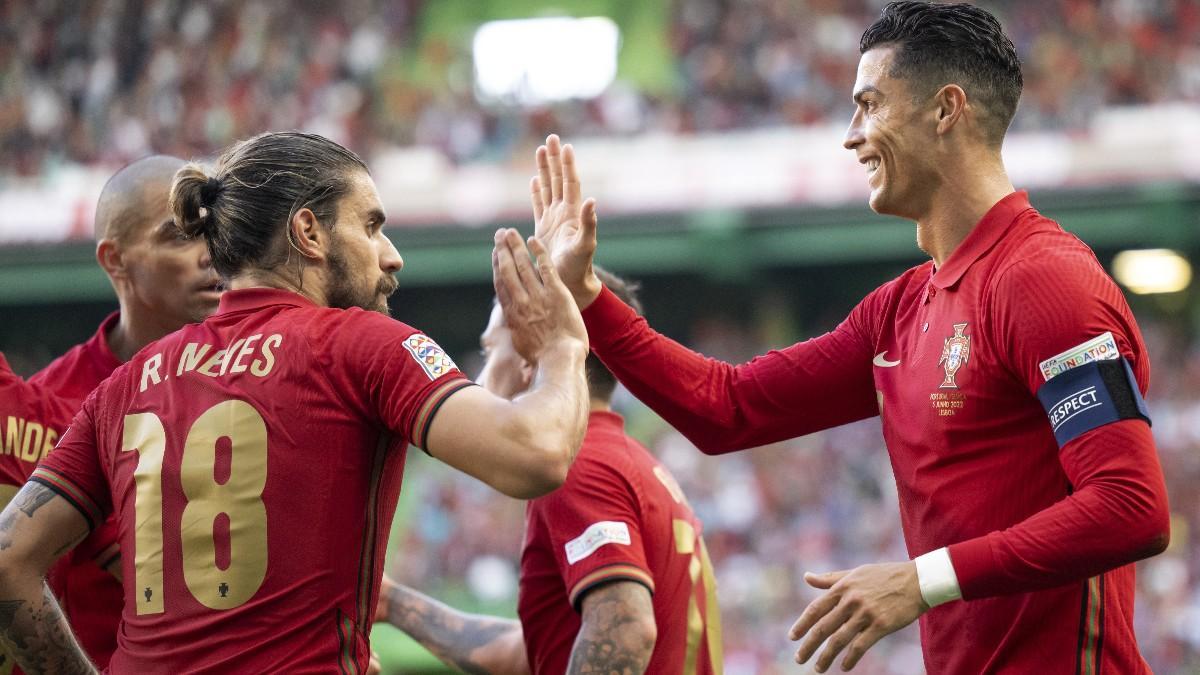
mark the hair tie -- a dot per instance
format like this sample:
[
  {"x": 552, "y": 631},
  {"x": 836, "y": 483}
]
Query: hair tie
[{"x": 209, "y": 191}]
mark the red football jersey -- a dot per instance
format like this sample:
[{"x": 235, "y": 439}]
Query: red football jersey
[
  {"x": 619, "y": 515},
  {"x": 90, "y": 596},
  {"x": 31, "y": 421},
  {"x": 254, "y": 461},
  {"x": 952, "y": 359}
]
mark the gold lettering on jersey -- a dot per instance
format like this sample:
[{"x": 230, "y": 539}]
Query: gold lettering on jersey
[
  {"x": 150, "y": 370},
  {"x": 190, "y": 358},
  {"x": 947, "y": 403},
  {"x": 28, "y": 440},
  {"x": 245, "y": 354},
  {"x": 668, "y": 482},
  {"x": 246, "y": 350},
  {"x": 263, "y": 368}
]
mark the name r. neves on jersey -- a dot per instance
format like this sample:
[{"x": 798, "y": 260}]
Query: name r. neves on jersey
[{"x": 228, "y": 360}]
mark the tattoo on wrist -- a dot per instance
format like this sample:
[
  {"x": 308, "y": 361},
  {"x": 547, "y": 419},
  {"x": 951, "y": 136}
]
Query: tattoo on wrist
[{"x": 39, "y": 639}]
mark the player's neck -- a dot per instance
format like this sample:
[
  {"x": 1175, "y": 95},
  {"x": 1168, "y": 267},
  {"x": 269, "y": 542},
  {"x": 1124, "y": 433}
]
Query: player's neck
[
  {"x": 313, "y": 290},
  {"x": 135, "y": 328},
  {"x": 596, "y": 405},
  {"x": 964, "y": 196}
]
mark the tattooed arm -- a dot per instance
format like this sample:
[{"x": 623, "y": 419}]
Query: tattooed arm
[
  {"x": 36, "y": 528},
  {"x": 472, "y": 643},
  {"x": 618, "y": 631}
]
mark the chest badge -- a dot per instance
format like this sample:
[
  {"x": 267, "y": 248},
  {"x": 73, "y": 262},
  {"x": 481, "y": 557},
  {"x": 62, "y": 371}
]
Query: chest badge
[{"x": 955, "y": 353}]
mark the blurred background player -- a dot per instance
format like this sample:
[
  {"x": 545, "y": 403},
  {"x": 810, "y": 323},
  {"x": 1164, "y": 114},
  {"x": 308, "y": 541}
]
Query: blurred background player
[
  {"x": 1023, "y": 528},
  {"x": 615, "y": 576},
  {"x": 249, "y": 455},
  {"x": 163, "y": 281},
  {"x": 31, "y": 422}
]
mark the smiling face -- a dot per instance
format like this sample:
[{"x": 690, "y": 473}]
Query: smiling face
[
  {"x": 362, "y": 260},
  {"x": 894, "y": 137}
]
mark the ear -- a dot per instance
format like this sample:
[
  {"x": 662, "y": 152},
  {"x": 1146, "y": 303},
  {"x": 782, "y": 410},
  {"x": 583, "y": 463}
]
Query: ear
[
  {"x": 951, "y": 105},
  {"x": 307, "y": 236},
  {"x": 108, "y": 255}
]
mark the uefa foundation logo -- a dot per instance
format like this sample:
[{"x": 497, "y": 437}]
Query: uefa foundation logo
[{"x": 955, "y": 353}]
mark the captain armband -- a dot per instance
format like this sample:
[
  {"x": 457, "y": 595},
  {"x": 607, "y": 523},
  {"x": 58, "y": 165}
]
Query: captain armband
[{"x": 1089, "y": 396}]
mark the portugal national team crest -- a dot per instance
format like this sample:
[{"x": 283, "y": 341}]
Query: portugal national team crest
[
  {"x": 431, "y": 357},
  {"x": 954, "y": 355}
]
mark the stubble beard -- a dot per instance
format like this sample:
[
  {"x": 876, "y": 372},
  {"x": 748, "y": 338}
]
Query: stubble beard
[{"x": 343, "y": 294}]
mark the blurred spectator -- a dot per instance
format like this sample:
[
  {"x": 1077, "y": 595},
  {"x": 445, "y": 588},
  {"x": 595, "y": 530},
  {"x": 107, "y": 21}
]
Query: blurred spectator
[{"x": 102, "y": 81}]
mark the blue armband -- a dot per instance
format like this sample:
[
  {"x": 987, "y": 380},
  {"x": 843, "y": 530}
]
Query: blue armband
[{"x": 1089, "y": 396}]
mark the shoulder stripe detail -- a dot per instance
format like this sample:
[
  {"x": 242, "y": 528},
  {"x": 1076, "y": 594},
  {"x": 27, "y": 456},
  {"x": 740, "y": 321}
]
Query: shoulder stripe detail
[
  {"x": 609, "y": 573},
  {"x": 67, "y": 490},
  {"x": 429, "y": 408}
]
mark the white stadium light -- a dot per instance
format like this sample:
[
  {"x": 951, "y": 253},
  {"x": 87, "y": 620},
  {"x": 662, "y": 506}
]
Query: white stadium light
[
  {"x": 536, "y": 61},
  {"x": 1155, "y": 270}
]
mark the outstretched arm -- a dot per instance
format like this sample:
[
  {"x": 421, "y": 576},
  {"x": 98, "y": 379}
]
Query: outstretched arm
[
  {"x": 36, "y": 528},
  {"x": 821, "y": 383},
  {"x": 618, "y": 630},
  {"x": 473, "y": 643}
]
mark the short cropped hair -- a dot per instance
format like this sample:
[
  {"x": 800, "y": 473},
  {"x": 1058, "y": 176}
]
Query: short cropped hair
[{"x": 955, "y": 43}]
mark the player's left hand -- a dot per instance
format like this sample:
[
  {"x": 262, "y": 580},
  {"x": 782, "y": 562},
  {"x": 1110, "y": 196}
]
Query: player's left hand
[
  {"x": 374, "y": 667},
  {"x": 861, "y": 606}
]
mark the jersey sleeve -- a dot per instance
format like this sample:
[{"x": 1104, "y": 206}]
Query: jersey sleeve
[
  {"x": 817, "y": 384},
  {"x": 1117, "y": 511},
  {"x": 594, "y": 529},
  {"x": 397, "y": 375},
  {"x": 73, "y": 469}
]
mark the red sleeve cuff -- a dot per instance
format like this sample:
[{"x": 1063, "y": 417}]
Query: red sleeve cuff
[
  {"x": 605, "y": 317},
  {"x": 975, "y": 567}
]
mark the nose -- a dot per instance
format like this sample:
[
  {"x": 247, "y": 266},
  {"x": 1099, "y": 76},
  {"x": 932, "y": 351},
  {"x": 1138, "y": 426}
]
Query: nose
[
  {"x": 389, "y": 258},
  {"x": 205, "y": 257},
  {"x": 854, "y": 134}
]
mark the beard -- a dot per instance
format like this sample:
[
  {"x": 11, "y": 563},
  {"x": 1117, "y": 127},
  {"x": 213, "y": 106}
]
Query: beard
[{"x": 343, "y": 293}]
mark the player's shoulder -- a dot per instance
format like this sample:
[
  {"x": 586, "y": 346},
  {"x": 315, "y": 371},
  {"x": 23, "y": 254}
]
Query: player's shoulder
[
  {"x": 354, "y": 325},
  {"x": 1044, "y": 255}
]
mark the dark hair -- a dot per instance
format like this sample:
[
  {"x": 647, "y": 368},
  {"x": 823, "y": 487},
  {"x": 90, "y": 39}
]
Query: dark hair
[
  {"x": 243, "y": 207},
  {"x": 940, "y": 44},
  {"x": 601, "y": 381}
]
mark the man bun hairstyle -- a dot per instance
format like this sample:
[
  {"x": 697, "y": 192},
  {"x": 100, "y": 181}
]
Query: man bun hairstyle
[
  {"x": 953, "y": 43},
  {"x": 243, "y": 207},
  {"x": 601, "y": 382}
]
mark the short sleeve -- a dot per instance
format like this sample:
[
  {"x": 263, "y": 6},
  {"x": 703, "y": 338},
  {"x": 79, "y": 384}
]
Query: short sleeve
[
  {"x": 73, "y": 468},
  {"x": 399, "y": 375},
  {"x": 1062, "y": 308},
  {"x": 594, "y": 528}
]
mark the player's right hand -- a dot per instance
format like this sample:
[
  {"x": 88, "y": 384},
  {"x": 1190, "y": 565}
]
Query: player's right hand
[
  {"x": 538, "y": 308},
  {"x": 564, "y": 222}
]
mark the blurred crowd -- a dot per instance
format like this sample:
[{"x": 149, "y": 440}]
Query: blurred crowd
[
  {"x": 818, "y": 503},
  {"x": 105, "y": 81}
]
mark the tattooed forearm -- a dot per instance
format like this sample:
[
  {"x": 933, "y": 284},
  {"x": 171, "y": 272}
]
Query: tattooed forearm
[
  {"x": 35, "y": 632},
  {"x": 451, "y": 635},
  {"x": 618, "y": 631},
  {"x": 31, "y": 498}
]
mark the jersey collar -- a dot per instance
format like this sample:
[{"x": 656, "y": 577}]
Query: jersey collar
[
  {"x": 246, "y": 299},
  {"x": 98, "y": 347},
  {"x": 989, "y": 230}
]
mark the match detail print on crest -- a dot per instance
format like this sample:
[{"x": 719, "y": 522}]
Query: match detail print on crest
[{"x": 955, "y": 353}]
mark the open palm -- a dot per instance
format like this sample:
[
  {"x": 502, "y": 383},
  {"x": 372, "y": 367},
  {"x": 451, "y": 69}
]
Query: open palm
[{"x": 563, "y": 221}]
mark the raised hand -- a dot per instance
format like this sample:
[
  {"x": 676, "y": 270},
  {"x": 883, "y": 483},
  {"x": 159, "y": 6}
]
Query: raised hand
[
  {"x": 563, "y": 221},
  {"x": 537, "y": 306},
  {"x": 861, "y": 606}
]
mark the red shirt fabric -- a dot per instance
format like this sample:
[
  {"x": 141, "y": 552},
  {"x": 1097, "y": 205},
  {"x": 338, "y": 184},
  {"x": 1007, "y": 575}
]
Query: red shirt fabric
[
  {"x": 31, "y": 421},
  {"x": 90, "y": 596},
  {"x": 1040, "y": 538},
  {"x": 254, "y": 461},
  {"x": 619, "y": 516}
]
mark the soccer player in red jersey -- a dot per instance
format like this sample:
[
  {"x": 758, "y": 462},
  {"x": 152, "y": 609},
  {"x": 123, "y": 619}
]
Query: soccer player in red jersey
[
  {"x": 1008, "y": 373},
  {"x": 31, "y": 422},
  {"x": 255, "y": 459},
  {"x": 162, "y": 281},
  {"x": 614, "y": 573}
]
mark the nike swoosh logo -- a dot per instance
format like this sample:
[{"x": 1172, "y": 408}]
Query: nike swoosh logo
[{"x": 882, "y": 362}]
